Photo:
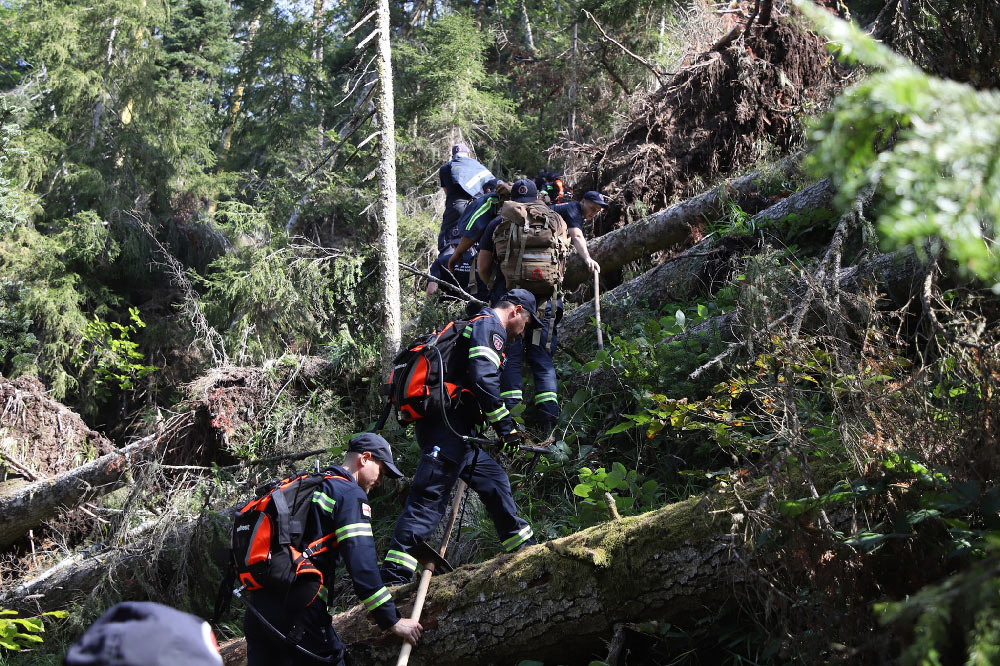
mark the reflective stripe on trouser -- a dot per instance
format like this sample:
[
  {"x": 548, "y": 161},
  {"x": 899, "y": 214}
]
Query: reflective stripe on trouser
[
  {"x": 402, "y": 559},
  {"x": 431, "y": 488},
  {"x": 543, "y": 371}
]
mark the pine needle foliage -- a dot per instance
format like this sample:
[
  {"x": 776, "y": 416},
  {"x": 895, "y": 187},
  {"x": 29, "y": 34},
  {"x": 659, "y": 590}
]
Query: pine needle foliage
[{"x": 933, "y": 145}]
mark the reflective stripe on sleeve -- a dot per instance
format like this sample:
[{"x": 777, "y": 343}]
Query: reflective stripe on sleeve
[
  {"x": 511, "y": 395},
  {"x": 483, "y": 174},
  {"x": 325, "y": 501},
  {"x": 377, "y": 599},
  {"x": 401, "y": 558},
  {"x": 498, "y": 413},
  {"x": 519, "y": 538},
  {"x": 487, "y": 352},
  {"x": 353, "y": 530},
  {"x": 545, "y": 397},
  {"x": 478, "y": 214},
  {"x": 323, "y": 594}
]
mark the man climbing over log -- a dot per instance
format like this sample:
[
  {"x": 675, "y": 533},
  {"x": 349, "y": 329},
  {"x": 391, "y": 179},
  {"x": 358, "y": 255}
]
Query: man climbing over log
[
  {"x": 448, "y": 456},
  {"x": 576, "y": 213},
  {"x": 537, "y": 351},
  {"x": 338, "y": 529},
  {"x": 462, "y": 178},
  {"x": 459, "y": 254}
]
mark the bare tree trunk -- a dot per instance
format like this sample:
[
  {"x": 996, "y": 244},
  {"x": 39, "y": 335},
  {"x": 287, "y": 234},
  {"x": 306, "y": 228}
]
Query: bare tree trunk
[
  {"x": 529, "y": 40},
  {"x": 573, "y": 81},
  {"x": 673, "y": 225},
  {"x": 95, "y": 122},
  {"x": 388, "y": 252},
  {"x": 28, "y": 506}
]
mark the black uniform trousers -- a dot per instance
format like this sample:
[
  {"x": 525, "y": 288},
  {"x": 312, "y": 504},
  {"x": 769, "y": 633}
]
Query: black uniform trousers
[
  {"x": 432, "y": 484},
  {"x": 264, "y": 648}
]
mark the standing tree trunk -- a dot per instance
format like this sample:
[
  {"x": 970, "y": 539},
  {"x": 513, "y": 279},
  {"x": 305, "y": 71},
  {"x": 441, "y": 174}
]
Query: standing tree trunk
[
  {"x": 529, "y": 40},
  {"x": 388, "y": 252},
  {"x": 573, "y": 81},
  {"x": 237, "y": 99}
]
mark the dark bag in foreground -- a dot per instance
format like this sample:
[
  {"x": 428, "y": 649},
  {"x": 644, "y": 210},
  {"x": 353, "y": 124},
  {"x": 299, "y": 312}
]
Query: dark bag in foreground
[{"x": 419, "y": 384}]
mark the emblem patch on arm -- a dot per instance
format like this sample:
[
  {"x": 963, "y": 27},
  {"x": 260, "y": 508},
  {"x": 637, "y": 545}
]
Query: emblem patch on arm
[
  {"x": 366, "y": 510},
  {"x": 497, "y": 342}
]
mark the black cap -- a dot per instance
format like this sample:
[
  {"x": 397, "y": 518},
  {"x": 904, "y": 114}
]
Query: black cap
[
  {"x": 523, "y": 191},
  {"x": 378, "y": 447},
  {"x": 596, "y": 197},
  {"x": 143, "y": 633},
  {"x": 525, "y": 299}
]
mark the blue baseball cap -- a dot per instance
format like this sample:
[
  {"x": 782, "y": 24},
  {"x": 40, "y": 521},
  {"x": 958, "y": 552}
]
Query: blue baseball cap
[
  {"x": 491, "y": 185},
  {"x": 526, "y": 300},
  {"x": 378, "y": 447},
  {"x": 459, "y": 149},
  {"x": 596, "y": 197},
  {"x": 143, "y": 633},
  {"x": 523, "y": 191}
]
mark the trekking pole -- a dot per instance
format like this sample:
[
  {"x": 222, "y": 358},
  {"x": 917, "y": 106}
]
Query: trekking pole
[
  {"x": 425, "y": 575},
  {"x": 597, "y": 308}
]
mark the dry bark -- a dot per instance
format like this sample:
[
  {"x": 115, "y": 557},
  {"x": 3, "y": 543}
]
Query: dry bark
[
  {"x": 673, "y": 225},
  {"x": 524, "y": 605},
  {"x": 28, "y": 506},
  {"x": 135, "y": 564},
  {"x": 695, "y": 271}
]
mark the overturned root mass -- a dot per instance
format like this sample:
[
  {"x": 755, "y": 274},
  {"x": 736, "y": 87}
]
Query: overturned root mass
[{"x": 713, "y": 117}]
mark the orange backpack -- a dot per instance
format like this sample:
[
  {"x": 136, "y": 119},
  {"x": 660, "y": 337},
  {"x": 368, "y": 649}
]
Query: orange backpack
[{"x": 420, "y": 380}]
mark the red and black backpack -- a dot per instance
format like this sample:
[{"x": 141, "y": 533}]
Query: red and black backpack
[
  {"x": 267, "y": 545},
  {"x": 422, "y": 381}
]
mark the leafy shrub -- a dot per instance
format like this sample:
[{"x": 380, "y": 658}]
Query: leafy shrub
[{"x": 17, "y": 633}]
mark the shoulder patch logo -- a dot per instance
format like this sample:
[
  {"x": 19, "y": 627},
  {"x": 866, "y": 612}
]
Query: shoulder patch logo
[
  {"x": 497, "y": 342},
  {"x": 366, "y": 510}
]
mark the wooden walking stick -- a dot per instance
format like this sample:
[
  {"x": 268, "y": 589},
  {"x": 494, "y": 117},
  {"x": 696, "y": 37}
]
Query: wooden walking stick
[
  {"x": 597, "y": 308},
  {"x": 425, "y": 575}
]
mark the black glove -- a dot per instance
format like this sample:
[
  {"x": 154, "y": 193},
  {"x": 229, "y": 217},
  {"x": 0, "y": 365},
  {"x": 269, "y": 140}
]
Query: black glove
[{"x": 511, "y": 442}]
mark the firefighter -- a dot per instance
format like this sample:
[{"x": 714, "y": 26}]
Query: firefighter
[
  {"x": 340, "y": 512},
  {"x": 446, "y": 456},
  {"x": 538, "y": 349},
  {"x": 462, "y": 179},
  {"x": 454, "y": 264}
]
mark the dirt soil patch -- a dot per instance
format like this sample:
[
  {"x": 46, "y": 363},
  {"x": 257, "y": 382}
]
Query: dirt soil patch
[
  {"x": 40, "y": 435},
  {"x": 722, "y": 113}
]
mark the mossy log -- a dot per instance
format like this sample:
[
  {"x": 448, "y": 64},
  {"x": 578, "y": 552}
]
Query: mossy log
[
  {"x": 693, "y": 272},
  {"x": 559, "y": 601},
  {"x": 673, "y": 225}
]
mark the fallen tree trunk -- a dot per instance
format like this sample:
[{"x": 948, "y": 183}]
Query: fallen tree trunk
[
  {"x": 222, "y": 400},
  {"x": 694, "y": 272},
  {"x": 153, "y": 557},
  {"x": 673, "y": 225},
  {"x": 894, "y": 275},
  {"x": 29, "y": 506},
  {"x": 689, "y": 274},
  {"x": 525, "y": 605}
]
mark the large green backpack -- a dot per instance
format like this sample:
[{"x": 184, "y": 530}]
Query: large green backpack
[{"x": 531, "y": 243}]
